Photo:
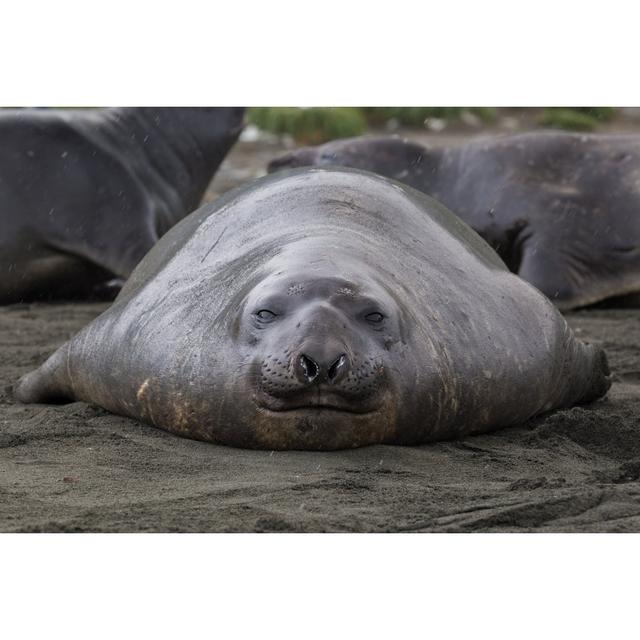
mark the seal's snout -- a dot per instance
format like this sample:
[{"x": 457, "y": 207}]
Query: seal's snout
[
  {"x": 332, "y": 369},
  {"x": 286, "y": 161},
  {"x": 338, "y": 368},
  {"x": 307, "y": 368},
  {"x": 292, "y": 160}
]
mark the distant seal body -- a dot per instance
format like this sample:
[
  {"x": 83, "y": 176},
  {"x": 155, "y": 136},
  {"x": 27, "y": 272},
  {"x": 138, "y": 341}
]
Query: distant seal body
[
  {"x": 324, "y": 309},
  {"x": 561, "y": 209},
  {"x": 85, "y": 194}
]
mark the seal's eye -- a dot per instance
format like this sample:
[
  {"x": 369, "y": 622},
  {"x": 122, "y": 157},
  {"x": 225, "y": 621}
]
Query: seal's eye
[
  {"x": 264, "y": 315},
  {"x": 374, "y": 318}
]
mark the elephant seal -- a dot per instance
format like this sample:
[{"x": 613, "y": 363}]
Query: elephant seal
[
  {"x": 324, "y": 309},
  {"x": 85, "y": 194},
  {"x": 561, "y": 209}
]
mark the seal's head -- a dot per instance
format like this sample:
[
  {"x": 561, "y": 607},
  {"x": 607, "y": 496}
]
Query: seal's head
[
  {"x": 388, "y": 156},
  {"x": 318, "y": 342}
]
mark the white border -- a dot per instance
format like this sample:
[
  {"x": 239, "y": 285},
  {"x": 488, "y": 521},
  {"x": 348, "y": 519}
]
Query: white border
[
  {"x": 319, "y": 586},
  {"x": 334, "y": 52},
  {"x": 492, "y": 53}
]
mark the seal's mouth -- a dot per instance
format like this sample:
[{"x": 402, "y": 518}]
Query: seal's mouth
[{"x": 319, "y": 401}]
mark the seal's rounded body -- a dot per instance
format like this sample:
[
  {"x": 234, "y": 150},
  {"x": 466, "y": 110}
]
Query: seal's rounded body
[
  {"x": 561, "y": 209},
  {"x": 85, "y": 194},
  {"x": 324, "y": 309}
]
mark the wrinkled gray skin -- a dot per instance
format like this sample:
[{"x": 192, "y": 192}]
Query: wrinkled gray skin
[
  {"x": 561, "y": 209},
  {"x": 324, "y": 309},
  {"x": 85, "y": 194}
]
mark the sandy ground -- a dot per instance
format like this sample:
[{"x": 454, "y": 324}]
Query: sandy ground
[{"x": 79, "y": 468}]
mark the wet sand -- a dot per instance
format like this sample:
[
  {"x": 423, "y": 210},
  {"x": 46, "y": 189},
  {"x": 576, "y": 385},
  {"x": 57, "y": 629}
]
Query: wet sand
[{"x": 78, "y": 468}]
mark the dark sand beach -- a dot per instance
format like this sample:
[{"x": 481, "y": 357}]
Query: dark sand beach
[{"x": 79, "y": 468}]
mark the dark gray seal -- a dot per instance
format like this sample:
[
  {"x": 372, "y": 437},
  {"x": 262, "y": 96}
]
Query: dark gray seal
[
  {"x": 324, "y": 309},
  {"x": 561, "y": 209},
  {"x": 85, "y": 194}
]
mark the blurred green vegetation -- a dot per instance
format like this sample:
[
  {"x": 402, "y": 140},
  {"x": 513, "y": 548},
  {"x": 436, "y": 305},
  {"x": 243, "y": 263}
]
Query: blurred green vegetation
[
  {"x": 314, "y": 125},
  {"x": 576, "y": 118},
  {"x": 416, "y": 116}
]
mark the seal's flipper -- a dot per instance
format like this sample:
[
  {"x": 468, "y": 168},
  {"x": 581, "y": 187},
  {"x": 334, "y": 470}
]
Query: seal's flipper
[
  {"x": 107, "y": 291},
  {"x": 601, "y": 375},
  {"x": 549, "y": 272},
  {"x": 49, "y": 383},
  {"x": 116, "y": 258}
]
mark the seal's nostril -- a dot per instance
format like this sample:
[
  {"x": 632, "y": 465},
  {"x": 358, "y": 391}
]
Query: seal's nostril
[
  {"x": 309, "y": 367},
  {"x": 335, "y": 368}
]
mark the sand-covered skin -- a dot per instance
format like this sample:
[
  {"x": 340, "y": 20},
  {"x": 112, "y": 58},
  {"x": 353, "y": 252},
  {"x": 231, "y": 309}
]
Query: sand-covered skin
[{"x": 79, "y": 468}]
